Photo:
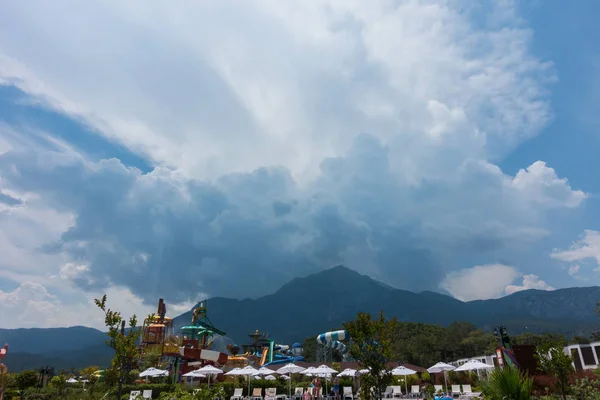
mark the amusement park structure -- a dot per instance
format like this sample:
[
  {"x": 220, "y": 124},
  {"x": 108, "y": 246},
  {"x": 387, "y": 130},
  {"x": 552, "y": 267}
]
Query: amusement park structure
[
  {"x": 186, "y": 351},
  {"x": 329, "y": 341},
  {"x": 191, "y": 348}
]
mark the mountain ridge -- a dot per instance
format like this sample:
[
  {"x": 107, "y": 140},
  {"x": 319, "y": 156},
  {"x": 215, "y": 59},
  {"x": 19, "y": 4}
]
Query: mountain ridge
[{"x": 319, "y": 302}]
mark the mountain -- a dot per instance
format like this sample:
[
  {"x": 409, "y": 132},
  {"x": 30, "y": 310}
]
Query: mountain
[{"x": 321, "y": 302}]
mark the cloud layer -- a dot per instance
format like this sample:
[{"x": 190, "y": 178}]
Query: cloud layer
[{"x": 284, "y": 138}]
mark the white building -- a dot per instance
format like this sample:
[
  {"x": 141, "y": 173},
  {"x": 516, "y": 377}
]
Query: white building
[{"x": 585, "y": 356}]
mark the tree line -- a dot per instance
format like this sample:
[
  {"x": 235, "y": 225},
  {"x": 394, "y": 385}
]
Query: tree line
[{"x": 425, "y": 344}]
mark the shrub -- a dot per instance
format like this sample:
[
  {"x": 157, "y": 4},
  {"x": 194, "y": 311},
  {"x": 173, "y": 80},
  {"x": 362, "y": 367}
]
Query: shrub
[{"x": 508, "y": 383}]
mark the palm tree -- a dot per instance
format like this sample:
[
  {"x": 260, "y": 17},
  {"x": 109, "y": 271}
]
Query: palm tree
[{"x": 508, "y": 383}]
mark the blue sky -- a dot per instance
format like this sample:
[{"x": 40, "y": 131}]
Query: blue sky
[{"x": 182, "y": 153}]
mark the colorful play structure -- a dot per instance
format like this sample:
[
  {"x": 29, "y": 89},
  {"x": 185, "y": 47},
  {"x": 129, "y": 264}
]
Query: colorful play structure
[
  {"x": 329, "y": 341},
  {"x": 504, "y": 351},
  {"x": 192, "y": 347},
  {"x": 3, "y": 368}
]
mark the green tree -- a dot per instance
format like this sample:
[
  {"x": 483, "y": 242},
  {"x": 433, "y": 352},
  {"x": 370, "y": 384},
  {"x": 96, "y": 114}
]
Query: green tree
[
  {"x": 122, "y": 341},
  {"x": 556, "y": 363},
  {"x": 58, "y": 382},
  {"x": 26, "y": 379},
  {"x": 371, "y": 346}
]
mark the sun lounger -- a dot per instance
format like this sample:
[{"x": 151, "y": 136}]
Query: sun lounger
[
  {"x": 396, "y": 391},
  {"x": 147, "y": 394},
  {"x": 135, "y": 394},
  {"x": 348, "y": 393},
  {"x": 257, "y": 394},
  {"x": 456, "y": 390},
  {"x": 298, "y": 392},
  {"x": 438, "y": 389},
  {"x": 270, "y": 393},
  {"x": 415, "y": 390},
  {"x": 388, "y": 392},
  {"x": 238, "y": 394}
]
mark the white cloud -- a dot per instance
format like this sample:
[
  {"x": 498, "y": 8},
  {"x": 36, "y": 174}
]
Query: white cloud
[
  {"x": 480, "y": 282},
  {"x": 529, "y": 282},
  {"x": 204, "y": 89},
  {"x": 31, "y": 304},
  {"x": 573, "y": 270},
  {"x": 293, "y": 81},
  {"x": 586, "y": 248},
  {"x": 489, "y": 282}
]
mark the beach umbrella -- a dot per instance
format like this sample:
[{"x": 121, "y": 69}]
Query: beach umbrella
[
  {"x": 71, "y": 380},
  {"x": 270, "y": 378},
  {"x": 194, "y": 374},
  {"x": 474, "y": 365},
  {"x": 210, "y": 371},
  {"x": 152, "y": 372},
  {"x": 441, "y": 367},
  {"x": 403, "y": 371},
  {"x": 290, "y": 369},
  {"x": 248, "y": 372},
  {"x": 264, "y": 371},
  {"x": 308, "y": 371},
  {"x": 348, "y": 372}
]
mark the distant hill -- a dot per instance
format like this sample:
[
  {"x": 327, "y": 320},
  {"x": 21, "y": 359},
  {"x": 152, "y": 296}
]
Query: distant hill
[
  {"x": 314, "y": 304},
  {"x": 320, "y": 302}
]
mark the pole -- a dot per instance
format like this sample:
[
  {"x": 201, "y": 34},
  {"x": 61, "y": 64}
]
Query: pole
[{"x": 445, "y": 382}]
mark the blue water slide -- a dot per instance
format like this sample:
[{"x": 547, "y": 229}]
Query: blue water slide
[{"x": 285, "y": 360}]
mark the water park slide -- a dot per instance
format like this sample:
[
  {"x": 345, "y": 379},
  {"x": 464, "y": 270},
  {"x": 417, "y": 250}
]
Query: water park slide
[
  {"x": 263, "y": 358},
  {"x": 203, "y": 354},
  {"x": 285, "y": 360},
  {"x": 334, "y": 340}
]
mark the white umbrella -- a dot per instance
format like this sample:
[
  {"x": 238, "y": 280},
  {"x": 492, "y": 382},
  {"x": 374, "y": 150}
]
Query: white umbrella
[
  {"x": 441, "y": 367},
  {"x": 264, "y": 371},
  {"x": 210, "y": 371},
  {"x": 235, "y": 371},
  {"x": 403, "y": 371},
  {"x": 474, "y": 365},
  {"x": 270, "y": 378},
  {"x": 71, "y": 380},
  {"x": 308, "y": 371},
  {"x": 248, "y": 371},
  {"x": 364, "y": 371},
  {"x": 348, "y": 372},
  {"x": 152, "y": 372},
  {"x": 290, "y": 368},
  {"x": 194, "y": 374}
]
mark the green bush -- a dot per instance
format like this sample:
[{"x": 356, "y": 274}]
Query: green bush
[{"x": 508, "y": 383}]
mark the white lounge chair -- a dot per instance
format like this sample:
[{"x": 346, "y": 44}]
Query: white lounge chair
[
  {"x": 396, "y": 391},
  {"x": 415, "y": 390},
  {"x": 388, "y": 392},
  {"x": 147, "y": 394},
  {"x": 135, "y": 394},
  {"x": 456, "y": 390},
  {"x": 298, "y": 392},
  {"x": 348, "y": 393},
  {"x": 238, "y": 394},
  {"x": 438, "y": 389},
  {"x": 270, "y": 393}
]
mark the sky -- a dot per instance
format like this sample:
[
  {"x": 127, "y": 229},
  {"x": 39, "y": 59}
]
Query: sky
[{"x": 223, "y": 148}]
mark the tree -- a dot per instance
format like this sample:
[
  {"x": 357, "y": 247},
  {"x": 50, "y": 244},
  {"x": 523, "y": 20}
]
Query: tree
[
  {"x": 371, "y": 346},
  {"x": 122, "y": 341},
  {"x": 26, "y": 379},
  {"x": 58, "y": 382},
  {"x": 556, "y": 363}
]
